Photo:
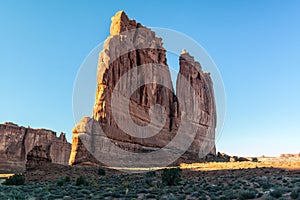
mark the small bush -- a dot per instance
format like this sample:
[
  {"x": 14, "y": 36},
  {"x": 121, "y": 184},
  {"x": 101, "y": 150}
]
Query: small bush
[
  {"x": 17, "y": 179},
  {"x": 264, "y": 183},
  {"x": 149, "y": 177},
  {"x": 171, "y": 176},
  {"x": 294, "y": 194},
  {"x": 247, "y": 194},
  {"x": 150, "y": 174},
  {"x": 60, "y": 182},
  {"x": 230, "y": 194},
  {"x": 276, "y": 193},
  {"x": 81, "y": 181},
  {"x": 67, "y": 179},
  {"x": 101, "y": 171}
]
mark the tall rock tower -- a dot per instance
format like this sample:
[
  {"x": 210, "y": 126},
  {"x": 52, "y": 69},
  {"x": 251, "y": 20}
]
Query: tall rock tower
[{"x": 130, "y": 46}]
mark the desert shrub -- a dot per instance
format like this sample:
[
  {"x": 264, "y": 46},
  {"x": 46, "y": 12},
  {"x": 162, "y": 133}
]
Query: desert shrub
[
  {"x": 171, "y": 176},
  {"x": 247, "y": 194},
  {"x": 294, "y": 194},
  {"x": 149, "y": 177},
  {"x": 150, "y": 174},
  {"x": 259, "y": 195},
  {"x": 254, "y": 159},
  {"x": 296, "y": 180},
  {"x": 276, "y": 193},
  {"x": 16, "y": 179},
  {"x": 94, "y": 184},
  {"x": 284, "y": 181},
  {"x": 81, "y": 181},
  {"x": 230, "y": 194},
  {"x": 264, "y": 183},
  {"x": 60, "y": 182},
  {"x": 67, "y": 179},
  {"x": 101, "y": 171}
]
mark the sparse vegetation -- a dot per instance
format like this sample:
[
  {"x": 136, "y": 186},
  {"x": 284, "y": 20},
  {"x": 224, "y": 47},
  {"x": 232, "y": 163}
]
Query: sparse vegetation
[
  {"x": 17, "y": 179},
  {"x": 81, "y": 181},
  {"x": 171, "y": 176},
  {"x": 185, "y": 184},
  {"x": 67, "y": 179},
  {"x": 294, "y": 194},
  {"x": 101, "y": 171},
  {"x": 150, "y": 174},
  {"x": 60, "y": 182},
  {"x": 276, "y": 193},
  {"x": 247, "y": 194}
]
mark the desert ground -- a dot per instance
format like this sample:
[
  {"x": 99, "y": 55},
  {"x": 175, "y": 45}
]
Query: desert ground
[{"x": 269, "y": 178}]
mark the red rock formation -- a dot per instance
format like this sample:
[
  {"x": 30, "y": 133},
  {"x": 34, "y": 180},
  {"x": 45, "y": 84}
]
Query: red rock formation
[
  {"x": 121, "y": 53},
  {"x": 203, "y": 88},
  {"x": 129, "y": 46},
  {"x": 289, "y": 155},
  {"x": 38, "y": 157},
  {"x": 17, "y": 141}
]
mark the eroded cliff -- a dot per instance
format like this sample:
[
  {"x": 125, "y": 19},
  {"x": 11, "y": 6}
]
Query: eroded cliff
[
  {"x": 129, "y": 46},
  {"x": 16, "y": 141}
]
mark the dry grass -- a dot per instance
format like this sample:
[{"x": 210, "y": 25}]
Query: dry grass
[
  {"x": 5, "y": 175},
  {"x": 291, "y": 165}
]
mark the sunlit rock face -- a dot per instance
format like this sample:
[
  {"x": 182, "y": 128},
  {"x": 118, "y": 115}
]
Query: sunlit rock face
[
  {"x": 129, "y": 46},
  {"x": 17, "y": 141},
  {"x": 203, "y": 87}
]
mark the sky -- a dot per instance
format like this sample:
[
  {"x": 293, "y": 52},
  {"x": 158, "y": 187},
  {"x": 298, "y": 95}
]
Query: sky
[{"x": 255, "y": 45}]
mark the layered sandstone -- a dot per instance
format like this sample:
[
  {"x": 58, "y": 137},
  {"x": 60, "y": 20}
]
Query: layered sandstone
[
  {"x": 16, "y": 141},
  {"x": 38, "y": 157},
  {"x": 202, "y": 89},
  {"x": 130, "y": 46}
]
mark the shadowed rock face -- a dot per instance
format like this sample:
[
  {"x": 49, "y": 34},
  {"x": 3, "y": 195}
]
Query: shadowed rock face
[
  {"x": 38, "y": 157},
  {"x": 129, "y": 46},
  {"x": 17, "y": 141}
]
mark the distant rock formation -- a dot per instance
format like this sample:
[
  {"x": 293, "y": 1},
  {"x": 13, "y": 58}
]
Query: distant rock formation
[
  {"x": 16, "y": 142},
  {"x": 123, "y": 52},
  {"x": 289, "y": 155}
]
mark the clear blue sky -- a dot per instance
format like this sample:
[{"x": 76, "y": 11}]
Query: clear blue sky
[{"x": 255, "y": 44}]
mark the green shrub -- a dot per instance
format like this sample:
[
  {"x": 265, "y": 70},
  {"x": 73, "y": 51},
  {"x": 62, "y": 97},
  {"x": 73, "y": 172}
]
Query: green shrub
[
  {"x": 171, "y": 176},
  {"x": 264, "y": 183},
  {"x": 81, "y": 181},
  {"x": 67, "y": 179},
  {"x": 247, "y": 194},
  {"x": 149, "y": 177},
  {"x": 294, "y": 194},
  {"x": 276, "y": 193},
  {"x": 101, "y": 171},
  {"x": 60, "y": 182},
  {"x": 17, "y": 179},
  {"x": 150, "y": 174},
  {"x": 230, "y": 194}
]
